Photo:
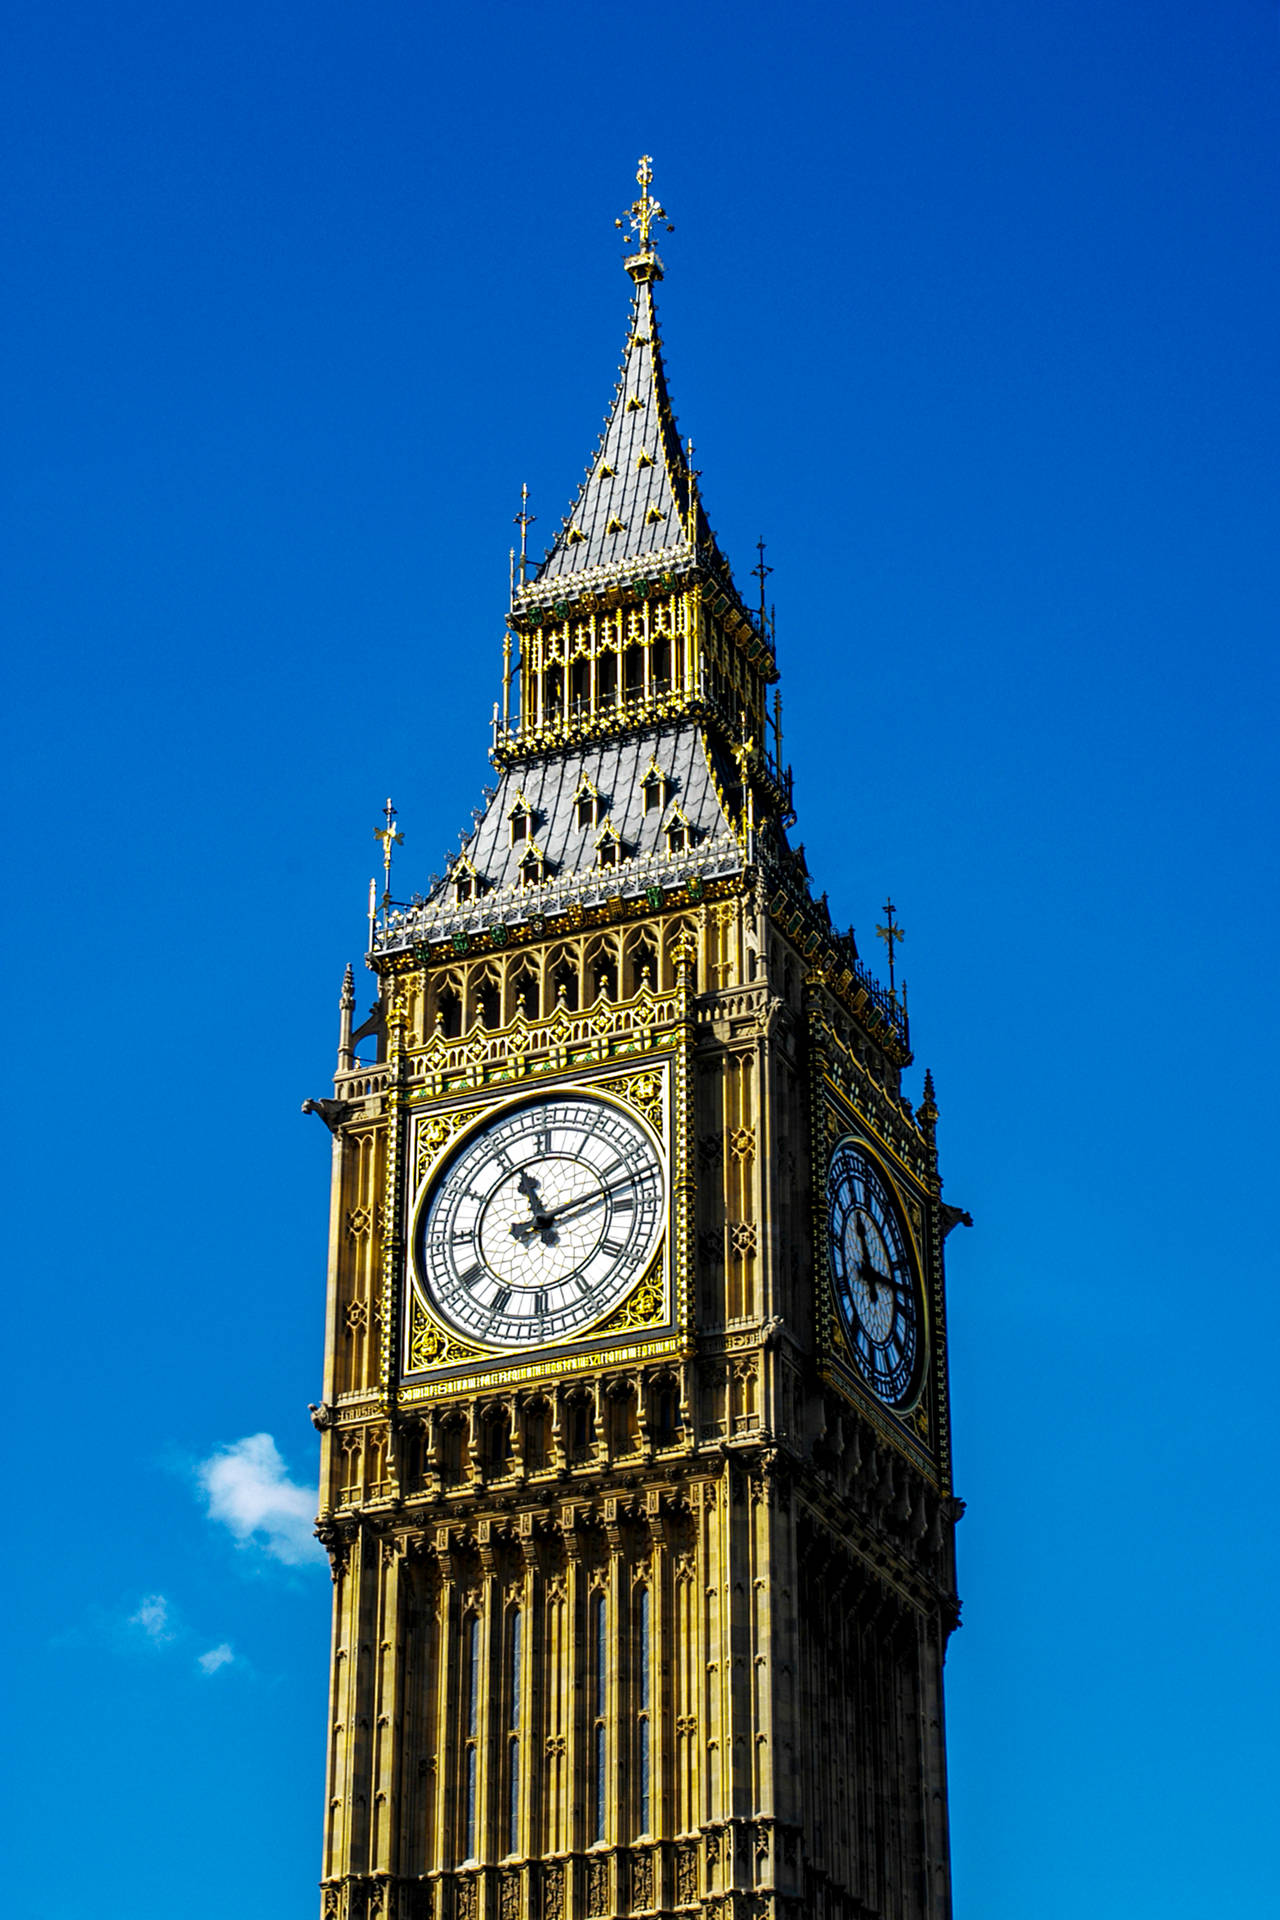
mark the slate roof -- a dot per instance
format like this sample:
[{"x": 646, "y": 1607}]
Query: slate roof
[
  {"x": 695, "y": 779},
  {"x": 635, "y": 500}
]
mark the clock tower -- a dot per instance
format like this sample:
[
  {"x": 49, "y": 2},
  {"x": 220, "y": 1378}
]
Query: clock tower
[{"x": 635, "y": 1477}]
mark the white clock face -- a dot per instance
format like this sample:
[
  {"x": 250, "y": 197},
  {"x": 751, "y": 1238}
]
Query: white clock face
[
  {"x": 873, "y": 1277},
  {"x": 540, "y": 1222}
]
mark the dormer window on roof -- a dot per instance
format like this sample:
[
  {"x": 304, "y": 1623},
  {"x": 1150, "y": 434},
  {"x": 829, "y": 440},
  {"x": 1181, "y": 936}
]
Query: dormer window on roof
[
  {"x": 615, "y": 525},
  {"x": 587, "y": 802},
  {"x": 520, "y": 820},
  {"x": 678, "y": 831},
  {"x": 644, "y": 459},
  {"x": 655, "y": 787},
  {"x": 608, "y": 845},
  {"x": 635, "y": 403},
  {"x": 533, "y": 867},
  {"x": 465, "y": 879}
]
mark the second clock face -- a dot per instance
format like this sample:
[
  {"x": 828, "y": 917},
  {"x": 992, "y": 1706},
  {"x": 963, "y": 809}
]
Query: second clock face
[
  {"x": 541, "y": 1221},
  {"x": 873, "y": 1277}
]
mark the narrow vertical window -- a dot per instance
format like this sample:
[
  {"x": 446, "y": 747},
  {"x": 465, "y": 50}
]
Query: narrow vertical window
[
  {"x": 513, "y": 1731},
  {"x": 643, "y": 1729},
  {"x": 471, "y": 1696},
  {"x": 599, "y": 1690}
]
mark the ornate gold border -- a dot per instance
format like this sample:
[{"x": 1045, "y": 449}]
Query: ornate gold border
[{"x": 659, "y": 1300}]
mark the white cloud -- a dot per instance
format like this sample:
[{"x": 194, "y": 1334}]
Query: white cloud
[
  {"x": 249, "y": 1490},
  {"x": 153, "y": 1618},
  {"x": 216, "y": 1657}
]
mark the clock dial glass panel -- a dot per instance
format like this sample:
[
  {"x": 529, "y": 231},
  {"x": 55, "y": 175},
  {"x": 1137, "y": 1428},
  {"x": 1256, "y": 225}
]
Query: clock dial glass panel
[
  {"x": 873, "y": 1277},
  {"x": 540, "y": 1222}
]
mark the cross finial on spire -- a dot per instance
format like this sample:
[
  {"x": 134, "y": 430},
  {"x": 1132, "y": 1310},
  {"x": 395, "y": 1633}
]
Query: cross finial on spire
[
  {"x": 890, "y": 934},
  {"x": 390, "y": 841},
  {"x": 638, "y": 223}
]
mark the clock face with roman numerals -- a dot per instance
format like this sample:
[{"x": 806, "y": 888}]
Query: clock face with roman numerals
[
  {"x": 540, "y": 1222},
  {"x": 874, "y": 1281}
]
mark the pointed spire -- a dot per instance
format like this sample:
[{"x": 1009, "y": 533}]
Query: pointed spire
[
  {"x": 927, "y": 1111},
  {"x": 639, "y": 500}
]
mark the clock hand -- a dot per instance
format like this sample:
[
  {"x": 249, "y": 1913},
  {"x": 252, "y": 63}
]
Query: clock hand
[
  {"x": 587, "y": 1200},
  {"x": 866, "y": 1271},
  {"x": 528, "y": 1186},
  {"x": 545, "y": 1223}
]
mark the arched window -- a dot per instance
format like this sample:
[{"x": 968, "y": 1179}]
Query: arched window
[
  {"x": 471, "y": 1726},
  {"x": 581, "y": 1429},
  {"x": 564, "y": 984},
  {"x": 537, "y": 1436},
  {"x": 453, "y": 1451},
  {"x": 514, "y": 1647},
  {"x": 642, "y": 967},
  {"x": 524, "y": 994},
  {"x": 599, "y": 1655},
  {"x": 666, "y": 1413},
  {"x": 644, "y": 1735}
]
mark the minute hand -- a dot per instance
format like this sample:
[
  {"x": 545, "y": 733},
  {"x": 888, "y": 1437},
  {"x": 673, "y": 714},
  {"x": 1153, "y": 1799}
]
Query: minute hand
[{"x": 587, "y": 1202}]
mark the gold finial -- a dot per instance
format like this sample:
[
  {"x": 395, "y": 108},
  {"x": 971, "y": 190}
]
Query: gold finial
[
  {"x": 638, "y": 222},
  {"x": 390, "y": 841},
  {"x": 524, "y": 520},
  {"x": 890, "y": 934}
]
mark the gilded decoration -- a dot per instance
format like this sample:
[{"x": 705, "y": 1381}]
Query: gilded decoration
[
  {"x": 431, "y": 1346},
  {"x": 643, "y": 1091},
  {"x": 697, "y": 1481},
  {"x": 434, "y": 1132},
  {"x": 644, "y": 1306}
]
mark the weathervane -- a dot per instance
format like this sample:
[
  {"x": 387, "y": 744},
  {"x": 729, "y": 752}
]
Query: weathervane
[
  {"x": 524, "y": 520},
  {"x": 890, "y": 935},
  {"x": 390, "y": 841},
  {"x": 640, "y": 216}
]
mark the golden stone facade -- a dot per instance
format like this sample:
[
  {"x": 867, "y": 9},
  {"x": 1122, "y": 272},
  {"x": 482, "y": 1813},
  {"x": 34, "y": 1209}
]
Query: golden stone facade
[{"x": 646, "y": 1616}]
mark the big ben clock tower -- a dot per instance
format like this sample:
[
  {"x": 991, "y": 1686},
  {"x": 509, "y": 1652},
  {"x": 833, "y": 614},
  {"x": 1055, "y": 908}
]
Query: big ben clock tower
[{"x": 635, "y": 1477}]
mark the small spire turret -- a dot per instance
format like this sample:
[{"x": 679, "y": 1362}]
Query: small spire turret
[{"x": 346, "y": 1008}]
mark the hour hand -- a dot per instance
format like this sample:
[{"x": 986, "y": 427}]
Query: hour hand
[{"x": 543, "y": 1223}]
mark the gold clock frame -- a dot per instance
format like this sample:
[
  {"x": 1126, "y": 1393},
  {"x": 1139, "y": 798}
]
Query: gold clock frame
[{"x": 651, "y": 1321}]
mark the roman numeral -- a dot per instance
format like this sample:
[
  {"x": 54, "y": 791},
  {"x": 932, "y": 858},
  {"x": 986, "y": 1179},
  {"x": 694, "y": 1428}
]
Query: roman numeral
[
  {"x": 472, "y": 1274},
  {"x": 500, "y": 1300}
]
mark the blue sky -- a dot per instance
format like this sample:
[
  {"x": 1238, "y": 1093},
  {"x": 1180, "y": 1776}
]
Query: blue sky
[{"x": 972, "y": 312}]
